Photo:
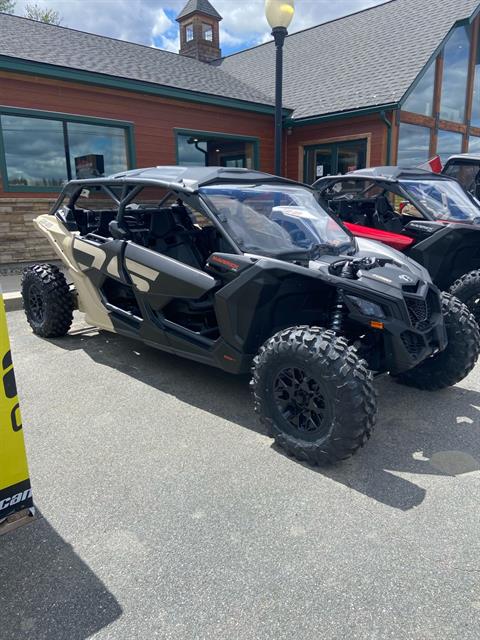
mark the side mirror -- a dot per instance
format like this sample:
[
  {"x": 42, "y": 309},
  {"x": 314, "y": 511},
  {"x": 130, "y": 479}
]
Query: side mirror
[{"x": 117, "y": 232}]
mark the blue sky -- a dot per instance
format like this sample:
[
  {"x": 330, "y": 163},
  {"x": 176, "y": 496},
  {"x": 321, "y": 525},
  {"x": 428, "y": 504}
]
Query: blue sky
[{"x": 152, "y": 22}]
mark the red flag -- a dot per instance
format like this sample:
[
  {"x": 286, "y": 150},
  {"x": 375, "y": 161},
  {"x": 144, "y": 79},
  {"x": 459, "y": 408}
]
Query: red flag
[{"x": 434, "y": 165}]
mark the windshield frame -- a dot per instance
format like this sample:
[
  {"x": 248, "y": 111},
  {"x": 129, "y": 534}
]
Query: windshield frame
[
  {"x": 214, "y": 212},
  {"x": 425, "y": 211}
]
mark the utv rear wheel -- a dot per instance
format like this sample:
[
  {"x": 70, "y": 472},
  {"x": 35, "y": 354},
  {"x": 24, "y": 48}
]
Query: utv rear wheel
[
  {"x": 314, "y": 394},
  {"x": 448, "y": 367},
  {"x": 467, "y": 290},
  {"x": 47, "y": 300}
]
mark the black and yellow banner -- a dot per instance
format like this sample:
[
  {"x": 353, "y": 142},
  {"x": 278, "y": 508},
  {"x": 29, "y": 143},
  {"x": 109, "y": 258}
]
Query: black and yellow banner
[{"x": 15, "y": 490}]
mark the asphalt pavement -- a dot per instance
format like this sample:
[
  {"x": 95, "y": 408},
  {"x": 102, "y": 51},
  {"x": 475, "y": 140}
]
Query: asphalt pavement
[{"x": 166, "y": 512}]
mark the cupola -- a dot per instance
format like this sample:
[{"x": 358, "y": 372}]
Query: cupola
[{"x": 199, "y": 31}]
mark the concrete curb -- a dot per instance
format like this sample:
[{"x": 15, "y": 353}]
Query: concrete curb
[{"x": 13, "y": 301}]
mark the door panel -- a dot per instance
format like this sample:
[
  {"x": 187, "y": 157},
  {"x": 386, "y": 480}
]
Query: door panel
[
  {"x": 100, "y": 258},
  {"x": 156, "y": 275}
]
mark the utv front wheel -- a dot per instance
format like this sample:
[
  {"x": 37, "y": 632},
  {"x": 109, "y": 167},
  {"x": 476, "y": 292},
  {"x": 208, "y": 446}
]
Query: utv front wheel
[
  {"x": 448, "y": 367},
  {"x": 467, "y": 290},
  {"x": 314, "y": 394},
  {"x": 47, "y": 300}
]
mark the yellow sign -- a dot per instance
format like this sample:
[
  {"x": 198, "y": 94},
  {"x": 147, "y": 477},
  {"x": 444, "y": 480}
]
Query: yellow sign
[{"x": 15, "y": 490}]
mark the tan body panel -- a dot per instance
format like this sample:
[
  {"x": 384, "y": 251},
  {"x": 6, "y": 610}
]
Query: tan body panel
[{"x": 62, "y": 242}]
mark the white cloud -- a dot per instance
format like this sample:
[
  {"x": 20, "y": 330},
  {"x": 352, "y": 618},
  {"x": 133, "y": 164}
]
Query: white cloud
[
  {"x": 162, "y": 23},
  {"x": 147, "y": 22},
  {"x": 168, "y": 44}
]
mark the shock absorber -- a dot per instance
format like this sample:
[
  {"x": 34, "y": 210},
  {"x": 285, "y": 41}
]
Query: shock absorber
[{"x": 338, "y": 312}]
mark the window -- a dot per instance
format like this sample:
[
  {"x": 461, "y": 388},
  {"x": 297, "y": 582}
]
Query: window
[
  {"x": 466, "y": 172},
  {"x": 442, "y": 199},
  {"x": 34, "y": 151},
  {"x": 421, "y": 98},
  {"x": 449, "y": 143},
  {"x": 474, "y": 144},
  {"x": 96, "y": 150},
  {"x": 413, "y": 145},
  {"x": 207, "y": 32},
  {"x": 455, "y": 73},
  {"x": 204, "y": 149},
  {"x": 41, "y": 153},
  {"x": 274, "y": 220},
  {"x": 188, "y": 32},
  {"x": 332, "y": 158},
  {"x": 476, "y": 89}
]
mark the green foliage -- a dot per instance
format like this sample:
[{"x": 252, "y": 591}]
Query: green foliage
[
  {"x": 34, "y": 12},
  {"x": 7, "y": 6}
]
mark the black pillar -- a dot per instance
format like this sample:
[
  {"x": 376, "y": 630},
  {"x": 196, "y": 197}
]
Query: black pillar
[{"x": 279, "y": 34}]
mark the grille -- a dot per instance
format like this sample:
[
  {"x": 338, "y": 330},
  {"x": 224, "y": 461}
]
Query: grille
[
  {"x": 413, "y": 343},
  {"x": 419, "y": 313}
]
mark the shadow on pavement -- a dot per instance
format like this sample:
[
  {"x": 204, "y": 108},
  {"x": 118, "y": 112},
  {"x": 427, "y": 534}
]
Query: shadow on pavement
[
  {"x": 417, "y": 432},
  {"x": 46, "y": 591}
]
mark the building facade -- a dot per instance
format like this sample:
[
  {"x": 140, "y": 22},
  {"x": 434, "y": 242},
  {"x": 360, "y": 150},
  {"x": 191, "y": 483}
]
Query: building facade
[{"x": 76, "y": 105}]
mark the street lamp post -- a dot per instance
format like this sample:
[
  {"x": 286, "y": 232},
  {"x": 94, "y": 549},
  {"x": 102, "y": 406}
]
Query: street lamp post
[{"x": 279, "y": 14}]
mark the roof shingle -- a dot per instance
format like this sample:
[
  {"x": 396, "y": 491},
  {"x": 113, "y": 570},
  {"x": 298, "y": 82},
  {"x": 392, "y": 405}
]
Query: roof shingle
[
  {"x": 39, "y": 42},
  {"x": 364, "y": 59},
  {"x": 203, "y": 6}
]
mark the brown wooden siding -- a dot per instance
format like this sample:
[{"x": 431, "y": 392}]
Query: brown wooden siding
[
  {"x": 371, "y": 127},
  {"x": 154, "y": 118}
]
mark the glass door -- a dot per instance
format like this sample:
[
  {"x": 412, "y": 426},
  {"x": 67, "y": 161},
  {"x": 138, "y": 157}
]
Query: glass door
[{"x": 333, "y": 158}]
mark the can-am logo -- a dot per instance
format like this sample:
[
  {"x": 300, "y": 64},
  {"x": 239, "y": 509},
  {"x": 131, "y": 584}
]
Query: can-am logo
[
  {"x": 15, "y": 499},
  {"x": 405, "y": 278}
]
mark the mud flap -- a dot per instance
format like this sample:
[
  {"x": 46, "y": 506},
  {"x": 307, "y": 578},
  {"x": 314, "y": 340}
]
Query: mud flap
[{"x": 16, "y": 504}]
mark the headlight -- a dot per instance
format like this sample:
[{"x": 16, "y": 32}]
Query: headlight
[{"x": 366, "y": 307}]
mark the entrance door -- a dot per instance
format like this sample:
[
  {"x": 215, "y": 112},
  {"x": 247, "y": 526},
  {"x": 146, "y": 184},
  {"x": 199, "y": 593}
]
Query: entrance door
[{"x": 333, "y": 158}]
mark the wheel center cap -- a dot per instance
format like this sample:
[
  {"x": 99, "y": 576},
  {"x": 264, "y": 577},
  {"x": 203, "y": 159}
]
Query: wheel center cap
[{"x": 301, "y": 397}]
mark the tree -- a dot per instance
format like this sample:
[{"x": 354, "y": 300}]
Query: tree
[
  {"x": 34, "y": 12},
  {"x": 7, "y": 6}
]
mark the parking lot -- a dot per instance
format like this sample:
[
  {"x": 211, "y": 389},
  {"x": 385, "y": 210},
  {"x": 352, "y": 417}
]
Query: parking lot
[{"x": 165, "y": 511}]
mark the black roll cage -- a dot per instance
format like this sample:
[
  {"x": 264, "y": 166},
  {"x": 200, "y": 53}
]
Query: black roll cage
[{"x": 128, "y": 194}]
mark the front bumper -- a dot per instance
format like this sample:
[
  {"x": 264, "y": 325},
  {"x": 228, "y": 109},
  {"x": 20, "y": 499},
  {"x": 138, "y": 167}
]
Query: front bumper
[
  {"x": 419, "y": 334},
  {"x": 406, "y": 347},
  {"x": 413, "y": 329}
]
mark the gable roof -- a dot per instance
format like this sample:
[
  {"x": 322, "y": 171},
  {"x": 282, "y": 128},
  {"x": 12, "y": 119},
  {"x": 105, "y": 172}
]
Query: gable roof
[
  {"x": 203, "y": 6},
  {"x": 24, "y": 39},
  {"x": 365, "y": 59}
]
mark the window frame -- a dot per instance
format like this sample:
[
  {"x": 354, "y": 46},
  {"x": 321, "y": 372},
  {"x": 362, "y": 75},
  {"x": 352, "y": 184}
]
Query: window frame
[
  {"x": 255, "y": 141},
  {"x": 64, "y": 118},
  {"x": 187, "y": 29},
  {"x": 434, "y": 122},
  {"x": 210, "y": 28}
]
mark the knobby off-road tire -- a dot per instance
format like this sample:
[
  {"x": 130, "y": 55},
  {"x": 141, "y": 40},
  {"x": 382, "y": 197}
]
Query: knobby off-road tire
[
  {"x": 47, "y": 300},
  {"x": 448, "y": 367},
  {"x": 313, "y": 370},
  {"x": 467, "y": 290}
]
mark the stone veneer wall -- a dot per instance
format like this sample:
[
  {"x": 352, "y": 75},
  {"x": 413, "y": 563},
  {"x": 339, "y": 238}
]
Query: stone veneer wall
[{"x": 20, "y": 241}]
